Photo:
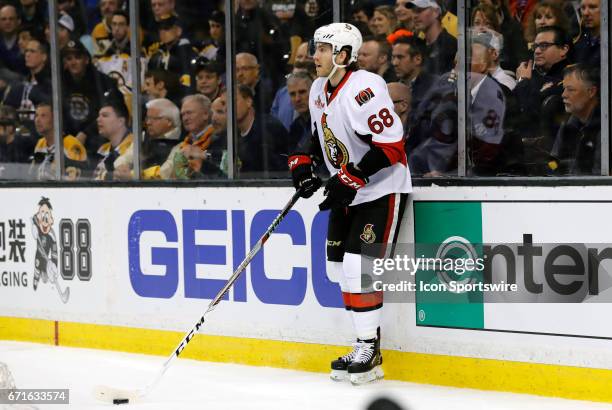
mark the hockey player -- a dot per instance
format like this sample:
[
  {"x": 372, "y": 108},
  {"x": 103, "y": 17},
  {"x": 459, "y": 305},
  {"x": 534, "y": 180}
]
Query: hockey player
[{"x": 360, "y": 138}]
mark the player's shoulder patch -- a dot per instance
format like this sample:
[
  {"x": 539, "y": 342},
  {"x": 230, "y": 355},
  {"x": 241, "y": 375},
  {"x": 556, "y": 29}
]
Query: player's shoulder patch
[{"x": 364, "y": 96}]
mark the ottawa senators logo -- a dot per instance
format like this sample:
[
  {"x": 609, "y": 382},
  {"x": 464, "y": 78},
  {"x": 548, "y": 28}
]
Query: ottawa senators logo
[
  {"x": 335, "y": 150},
  {"x": 364, "y": 96},
  {"x": 368, "y": 235}
]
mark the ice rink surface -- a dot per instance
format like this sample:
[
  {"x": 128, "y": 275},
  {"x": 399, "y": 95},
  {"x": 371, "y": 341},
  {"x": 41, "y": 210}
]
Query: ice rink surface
[{"x": 191, "y": 384}]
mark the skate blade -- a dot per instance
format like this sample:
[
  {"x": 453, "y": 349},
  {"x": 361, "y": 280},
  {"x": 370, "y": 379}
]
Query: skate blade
[
  {"x": 339, "y": 375},
  {"x": 367, "y": 377},
  {"x": 116, "y": 396}
]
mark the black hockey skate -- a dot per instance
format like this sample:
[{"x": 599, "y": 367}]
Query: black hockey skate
[
  {"x": 339, "y": 367},
  {"x": 366, "y": 364}
]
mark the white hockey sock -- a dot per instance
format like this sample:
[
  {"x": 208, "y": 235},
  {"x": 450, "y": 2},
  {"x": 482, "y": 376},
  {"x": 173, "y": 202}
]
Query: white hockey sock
[{"x": 366, "y": 307}]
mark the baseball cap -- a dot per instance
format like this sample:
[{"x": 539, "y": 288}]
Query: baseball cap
[
  {"x": 66, "y": 21},
  {"x": 74, "y": 47},
  {"x": 489, "y": 39},
  {"x": 218, "y": 17},
  {"x": 423, "y": 4},
  {"x": 202, "y": 63},
  {"x": 167, "y": 21}
]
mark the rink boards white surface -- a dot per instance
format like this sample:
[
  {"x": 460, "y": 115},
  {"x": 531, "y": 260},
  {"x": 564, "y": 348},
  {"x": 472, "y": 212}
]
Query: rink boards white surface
[{"x": 287, "y": 322}]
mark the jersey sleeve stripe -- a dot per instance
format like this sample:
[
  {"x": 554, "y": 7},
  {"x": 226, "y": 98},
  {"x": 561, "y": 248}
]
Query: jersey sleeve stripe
[{"x": 394, "y": 151}]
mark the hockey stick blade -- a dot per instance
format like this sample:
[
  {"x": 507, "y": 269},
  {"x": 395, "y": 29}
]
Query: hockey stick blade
[{"x": 117, "y": 396}]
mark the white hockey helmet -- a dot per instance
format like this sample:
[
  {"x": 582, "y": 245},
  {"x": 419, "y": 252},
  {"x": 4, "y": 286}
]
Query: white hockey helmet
[{"x": 339, "y": 35}]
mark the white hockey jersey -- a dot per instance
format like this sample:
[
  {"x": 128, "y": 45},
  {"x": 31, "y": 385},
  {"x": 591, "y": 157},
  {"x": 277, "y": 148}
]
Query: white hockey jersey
[{"x": 359, "y": 114}]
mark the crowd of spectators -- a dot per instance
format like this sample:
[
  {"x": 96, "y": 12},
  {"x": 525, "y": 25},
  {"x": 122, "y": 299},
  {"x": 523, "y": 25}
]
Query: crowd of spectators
[{"x": 532, "y": 85}]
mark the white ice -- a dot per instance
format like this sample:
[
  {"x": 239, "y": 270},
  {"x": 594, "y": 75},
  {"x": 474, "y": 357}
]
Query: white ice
[{"x": 191, "y": 384}]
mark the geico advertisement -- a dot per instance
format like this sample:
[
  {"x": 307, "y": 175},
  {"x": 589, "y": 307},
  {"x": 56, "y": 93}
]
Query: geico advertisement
[{"x": 185, "y": 253}]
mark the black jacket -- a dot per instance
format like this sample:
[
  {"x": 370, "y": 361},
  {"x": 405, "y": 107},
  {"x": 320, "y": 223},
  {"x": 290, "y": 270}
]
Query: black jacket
[
  {"x": 82, "y": 98},
  {"x": 540, "y": 104},
  {"x": 263, "y": 151},
  {"x": 175, "y": 58},
  {"x": 577, "y": 149}
]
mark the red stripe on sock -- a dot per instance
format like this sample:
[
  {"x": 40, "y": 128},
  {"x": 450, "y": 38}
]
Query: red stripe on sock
[{"x": 366, "y": 300}]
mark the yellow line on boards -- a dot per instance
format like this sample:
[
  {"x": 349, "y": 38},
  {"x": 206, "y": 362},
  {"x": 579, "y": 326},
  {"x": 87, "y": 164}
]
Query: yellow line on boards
[{"x": 531, "y": 378}]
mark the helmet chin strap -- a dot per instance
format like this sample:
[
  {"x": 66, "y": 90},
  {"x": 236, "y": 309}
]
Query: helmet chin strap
[{"x": 336, "y": 67}]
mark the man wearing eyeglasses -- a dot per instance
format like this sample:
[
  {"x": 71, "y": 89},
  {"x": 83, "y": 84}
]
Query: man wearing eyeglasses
[{"x": 539, "y": 88}]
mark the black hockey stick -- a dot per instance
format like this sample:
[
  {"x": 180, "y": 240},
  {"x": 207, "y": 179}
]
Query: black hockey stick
[{"x": 122, "y": 396}]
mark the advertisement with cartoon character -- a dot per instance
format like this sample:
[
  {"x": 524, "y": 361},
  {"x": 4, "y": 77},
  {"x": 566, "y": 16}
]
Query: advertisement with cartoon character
[{"x": 45, "y": 261}]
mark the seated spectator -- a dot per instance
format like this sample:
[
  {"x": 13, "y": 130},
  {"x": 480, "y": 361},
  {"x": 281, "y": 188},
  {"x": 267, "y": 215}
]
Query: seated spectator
[
  {"x": 102, "y": 32},
  {"x": 43, "y": 162},
  {"x": 9, "y": 47},
  {"x": 405, "y": 15},
  {"x": 37, "y": 86},
  {"x": 300, "y": 131},
  {"x": 216, "y": 154},
  {"x": 409, "y": 60},
  {"x": 485, "y": 16},
  {"x": 75, "y": 11},
  {"x": 494, "y": 45},
  {"x": 384, "y": 21},
  {"x": 175, "y": 52},
  {"x": 400, "y": 95},
  {"x": 113, "y": 123},
  {"x": 441, "y": 46},
  {"x": 162, "y": 131},
  {"x": 587, "y": 48},
  {"x": 116, "y": 61},
  {"x": 14, "y": 147},
  {"x": 163, "y": 84},
  {"x": 262, "y": 143},
  {"x": 374, "y": 56},
  {"x": 208, "y": 77},
  {"x": 83, "y": 89},
  {"x": 546, "y": 13},
  {"x": 577, "y": 148},
  {"x": 188, "y": 156},
  {"x": 486, "y": 47},
  {"x": 539, "y": 89},
  {"x": 248, "y": 73},
  {"x": 214, "y": 48},
  {"x": 282, "y": 109},
  {"x": 65, "y": 29},
  {"x": 486, "y": 112}
]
